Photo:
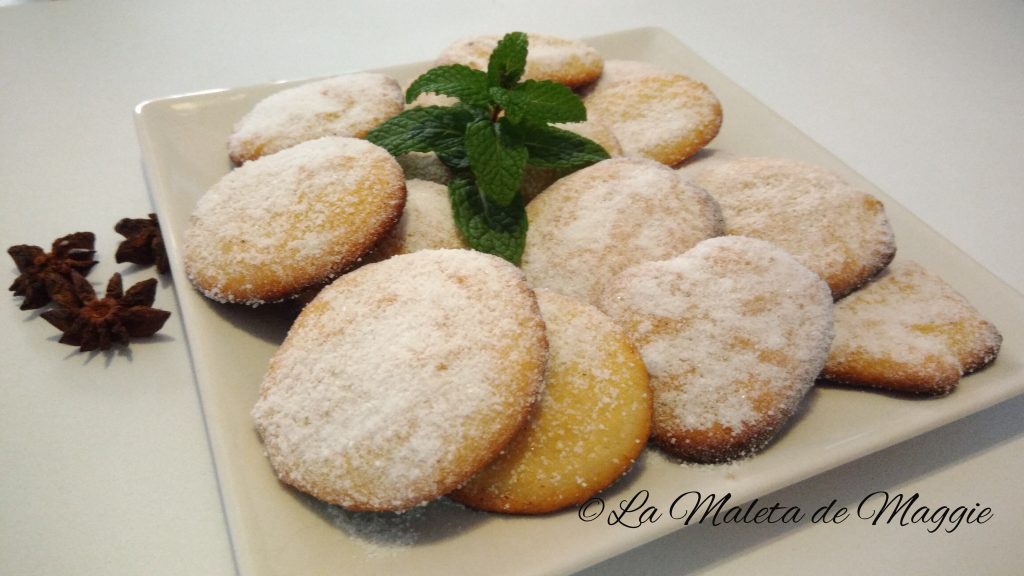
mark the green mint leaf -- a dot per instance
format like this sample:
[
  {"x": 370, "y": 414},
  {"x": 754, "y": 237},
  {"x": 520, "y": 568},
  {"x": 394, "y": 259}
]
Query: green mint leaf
[
  {"x": 496, "y": 161},
  {"x": 540, "y": 102},
  {"x": 455, "y": 158},
  {"x": 508, "y": 60},
  {"x": 440, "y": 129},
  {"x": 487, "y": 227},
  {"x": 456, "y": 80},
  {"x": 551, "y": 147}
]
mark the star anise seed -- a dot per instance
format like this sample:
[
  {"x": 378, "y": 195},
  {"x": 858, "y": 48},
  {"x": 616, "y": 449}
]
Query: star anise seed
[
  {"x": 94, "y": 323},
  {"x": 39, "y": 269},
  {"x": 143, "y": 244}
]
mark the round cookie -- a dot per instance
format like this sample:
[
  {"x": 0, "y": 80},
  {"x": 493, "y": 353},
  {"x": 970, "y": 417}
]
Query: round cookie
[
  {"x": 590, "y": 426},
  {"x": 841, "y": 233},
  {"x": 690, "y": 168},
  {"x": 594, "y": 223},
  {"x": 426, "y": 223},
  {"x": 621, "y": 70},
  {"x": 286, "y": 222},
  {"x": 908, "y": 331},
  {"x": 733, "y": 333},
  {"x": 568, "y": 62},
  {"x": 665, "y": 117},
  {"x": 402, "y": 379},
  {"x": 347, "y": 105}
]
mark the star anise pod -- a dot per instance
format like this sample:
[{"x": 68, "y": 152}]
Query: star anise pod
[
  {"x": 143, "y": 244},
  {"x": 93, "y": 323},
  {"x": 38, "y": 269}
]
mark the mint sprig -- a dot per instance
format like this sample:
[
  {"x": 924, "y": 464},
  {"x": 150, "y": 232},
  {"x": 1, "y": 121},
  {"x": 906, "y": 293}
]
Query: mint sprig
[
  {"x": 508, "y": 60},
  {"x": 534, "y": 102},
  {"x": 496, "y": 160},
  {"x": 499, "y": 127},
  {"x": 456, "y": 80},
  {"x": 491, "y": 228}
]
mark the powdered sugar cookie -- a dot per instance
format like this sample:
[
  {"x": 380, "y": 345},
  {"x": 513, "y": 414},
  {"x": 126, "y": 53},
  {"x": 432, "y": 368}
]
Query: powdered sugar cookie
[
  {"x": 594, "y": 223},
  {"x": 426, "y": 223},
  {"x": 733, "y": 333},
  {"x": 690, "y": 168},
  {"x": 619, "y": 71},
  {"x": 348, "y": 105},
  {"x": 666, "y": 117},
  {"x": 568, "y": 62},
  {"x": 403, "y": 378},
  {"x": 592, "y": 422},
  {"x": 431, "y": 99},
  {"x": 292, "y": 220},
  {"x": 908, "y": 331},
  {"x": 834, "y": 229},
  {"x": 424, "y": 166}
]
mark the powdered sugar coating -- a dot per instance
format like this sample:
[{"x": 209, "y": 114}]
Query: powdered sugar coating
[
  {"x": 426, "y": 223},
  {"x": 666, "y": 117},
  {"x": 909, "y": 331},
  {"x": 594, "y": 223},
  {"x": 292, "y": 220},
  {"x": 836, "y": 230},
  {"x": 431, "y": 99},
  {"x": 403, "y": 378},
  {"x": 690, "y": 168},
  {"x": 619, "y": 71},
  {"x": 347, "y": 105},
  {"x": 733, "y": 334},
  {"x": 568, "y": 62},
  {"x": 590, "y": 426}
]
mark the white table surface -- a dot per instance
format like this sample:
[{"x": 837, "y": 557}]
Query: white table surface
[{"x": 104, "y": 463}]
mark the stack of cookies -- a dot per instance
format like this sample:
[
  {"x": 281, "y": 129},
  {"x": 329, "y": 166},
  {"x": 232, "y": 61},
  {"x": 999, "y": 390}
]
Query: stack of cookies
[{"x": 666, "y": 294}]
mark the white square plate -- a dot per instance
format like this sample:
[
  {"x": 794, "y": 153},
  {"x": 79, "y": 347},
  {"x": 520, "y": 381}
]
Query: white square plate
[{"x": 275, "y": 530}]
